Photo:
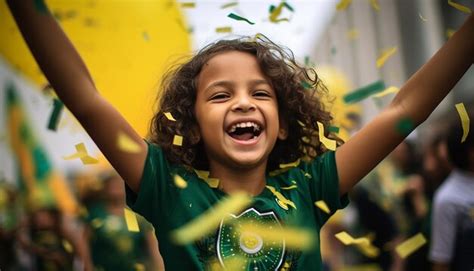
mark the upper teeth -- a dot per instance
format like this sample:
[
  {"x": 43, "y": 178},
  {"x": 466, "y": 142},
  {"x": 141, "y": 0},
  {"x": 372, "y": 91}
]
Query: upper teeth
[{"x": 255, "y": 126}]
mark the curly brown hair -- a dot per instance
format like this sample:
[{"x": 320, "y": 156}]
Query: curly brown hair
[{"x": 299, "y": 93}]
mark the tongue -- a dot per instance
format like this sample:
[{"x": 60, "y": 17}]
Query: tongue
[{"x": 244, "y": 136}]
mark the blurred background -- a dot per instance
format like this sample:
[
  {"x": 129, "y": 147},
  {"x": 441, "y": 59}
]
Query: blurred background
[{"x": 127, "y": 45}]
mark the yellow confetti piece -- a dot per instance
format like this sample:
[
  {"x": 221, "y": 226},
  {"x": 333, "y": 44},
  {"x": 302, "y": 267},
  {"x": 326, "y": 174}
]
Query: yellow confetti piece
[
  {"x": 204, "y": 175},
  {"x": 169, "y": 116},
  {"x": 131, "y": 220},
  {"x": 308, "y": 175},
  {"x": 292, "y": 164},
  {"x": 224, "y": 29},
  {"x": 450, "y": 32},
  {"x": 375, "y": 5},
  {"x": 387, "y": 91},
  {"x": 385, "y": 56},
  {"x": 465, "y": 122},
  {"x": 289, "y": 187},
  {"x": 67, "y": 246},
  {"x": 295, "y": 238},
  {"x": 208, "y": 221},
  {"x": 328, "y": 143},
  {"x": 363, "y": 244},
  {"x": 281, "y": 200},
  {"x": 228, "y": 5},
  {"x": 460, "y": 7},
  {"x": 188, "y": 5},
  {"x": 353, "y": 34},
  {"x": 411, "y": 245},
  {"x": 139, "y": 267},
  {"x": 422, "y": 18},
  {"x": 180, "y": 182},
  {"x": 323, "y": 206},
  {"x": 343, "y": 4},
  {"x": 178, "y": 140},
  {"x": 275, "y": 13},
  {"x": 301, "y": 123},
  {"x": 126, "y": 144},
  {"x": 97, "y": 223},
  {"x": 82, "y": 154}
]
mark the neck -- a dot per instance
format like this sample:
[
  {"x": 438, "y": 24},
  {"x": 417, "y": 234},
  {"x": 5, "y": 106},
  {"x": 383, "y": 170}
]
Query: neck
[{"x": 250, "y": 180}]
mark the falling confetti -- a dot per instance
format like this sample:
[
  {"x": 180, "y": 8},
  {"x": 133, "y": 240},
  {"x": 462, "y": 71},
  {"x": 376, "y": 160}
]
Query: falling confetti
[
  {"x": 465, "y": 122},
  {"x": 208, "y": 221},
  {"x": 343, "y": 4},
  {"x": 55, "y": 114},
  {"x": 295, "y": 238},
  {"x": 387, "y": 91},
  {"x": 323, "y": 206},
  {"x": 169, "y": 116},
  {"x": 411, "y": 245},
  {"x": 188, "y": 5},
  {"x": 363, "y": 244},
  {"x": 328, "y": 143},
  {"x": 131, "y": 220},
  {"x": 224, "y": 29},
  {"x": 460, "y": 7},
  {"x": 375, "y": 5},
  {"x": 450, "y": 32},
  {"x": 292, "y": 164},
  {"x": 405, "y": 126},
  {"x": 364, "y": 92},
  {"x": 422, "y": 18},
  {"x": 82, "y": 154},
  {"x": 229, "y": 5},
  {"x": 126, "y": 144},
  {"x": 178, "y": 140},
  {"x": 239, "y": 18},
  {"x": 385, "y": 56},
  {"x": 353, "y": 34},
  {"x": 180, "y": 182},
  {"x": 281, "y": 200}
]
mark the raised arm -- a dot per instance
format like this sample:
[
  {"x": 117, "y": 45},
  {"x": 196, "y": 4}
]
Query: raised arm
[
  {"x": 69, "y": 77},
  {"x": 415, "y": 101}
]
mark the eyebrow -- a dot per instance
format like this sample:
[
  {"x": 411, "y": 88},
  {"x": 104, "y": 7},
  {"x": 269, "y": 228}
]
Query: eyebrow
[{"x": 227, "y": 83}]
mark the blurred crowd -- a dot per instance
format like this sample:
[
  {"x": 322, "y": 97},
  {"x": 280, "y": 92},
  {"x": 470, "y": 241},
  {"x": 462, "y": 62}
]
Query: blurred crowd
[{"x": 425, "y": 186}]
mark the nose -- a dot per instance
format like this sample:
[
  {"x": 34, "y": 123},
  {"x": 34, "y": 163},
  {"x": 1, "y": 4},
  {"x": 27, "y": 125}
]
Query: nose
[{"x": 243, "y": 103}]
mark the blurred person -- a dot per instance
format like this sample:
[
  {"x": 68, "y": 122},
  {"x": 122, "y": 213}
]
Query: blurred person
[
  {"x": 51, "y": 240},
  {"x": 111, "y": 245},
  {"x": 452, "y": 240},
  {"x": 9, "y": 223}
]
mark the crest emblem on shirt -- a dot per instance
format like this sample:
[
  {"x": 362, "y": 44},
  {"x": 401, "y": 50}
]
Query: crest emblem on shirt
[{"x": 240, "y": 248}]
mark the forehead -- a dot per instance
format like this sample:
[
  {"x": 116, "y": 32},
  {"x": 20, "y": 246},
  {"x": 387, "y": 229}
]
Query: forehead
[{"x": 232, "y": 65}]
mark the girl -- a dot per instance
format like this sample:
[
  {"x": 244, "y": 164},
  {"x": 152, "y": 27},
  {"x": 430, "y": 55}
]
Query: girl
[{"x": 242, "y": 107}]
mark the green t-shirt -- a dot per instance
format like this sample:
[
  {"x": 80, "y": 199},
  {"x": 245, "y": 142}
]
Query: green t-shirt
[{"x": 168, "y": 207}]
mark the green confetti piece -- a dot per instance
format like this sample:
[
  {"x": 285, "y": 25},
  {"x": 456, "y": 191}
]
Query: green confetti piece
[
  {"x": 228, "y": 5},
  {"x": 272, "y": 7},
  {"x": 405, "y": 126},
  {"x": 333, "y": 50},
  {"x": 306, "y": 85},
  {"x": 333, "y": 129},
  {"x": 41, "y": 6},
  {"x": 364, "y": 92},
  {"x": 54, "y": 118},
  {"x": 288, "y": 6},
  {"x": 238, "y": 18}
]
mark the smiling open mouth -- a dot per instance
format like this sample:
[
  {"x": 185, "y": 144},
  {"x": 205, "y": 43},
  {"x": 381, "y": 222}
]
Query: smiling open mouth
[{"x": 245, "y": 131}]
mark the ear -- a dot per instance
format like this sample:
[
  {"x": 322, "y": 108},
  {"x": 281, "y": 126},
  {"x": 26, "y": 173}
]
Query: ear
[{"x": 283, "y": 132}]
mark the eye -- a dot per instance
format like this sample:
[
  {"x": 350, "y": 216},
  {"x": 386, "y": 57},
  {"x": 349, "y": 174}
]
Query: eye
[
  {"x": 219, "y": 96},
  {"x": 262, "y": 94}
]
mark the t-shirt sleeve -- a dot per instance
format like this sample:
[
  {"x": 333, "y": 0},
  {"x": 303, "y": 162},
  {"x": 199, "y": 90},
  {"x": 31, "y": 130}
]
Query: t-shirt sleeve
[
  {"x": 155, "y": 194},
  {"x": 324, "y": 185},
  {"x": 443, "y": 234}
]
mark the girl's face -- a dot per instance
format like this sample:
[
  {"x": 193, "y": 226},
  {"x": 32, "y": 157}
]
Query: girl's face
[{"x": 237, "y": 111}]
